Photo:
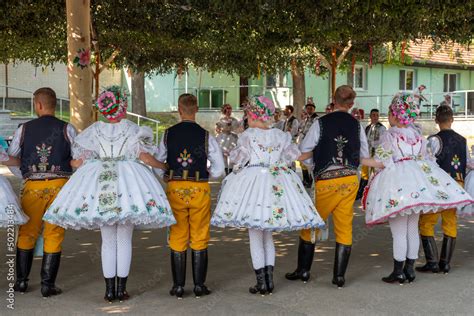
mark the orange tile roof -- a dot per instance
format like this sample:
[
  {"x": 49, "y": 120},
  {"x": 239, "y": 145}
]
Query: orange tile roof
[{"x": 452, "y": 54}]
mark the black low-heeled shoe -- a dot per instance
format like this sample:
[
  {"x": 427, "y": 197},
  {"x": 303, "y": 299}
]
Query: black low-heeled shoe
[{"x": 109, "y": 289}]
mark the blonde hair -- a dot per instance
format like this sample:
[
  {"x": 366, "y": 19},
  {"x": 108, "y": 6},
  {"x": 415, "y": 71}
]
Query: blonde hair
[
  {"x": 344, "y": 95},
  {"x": 188, "y": 103}
]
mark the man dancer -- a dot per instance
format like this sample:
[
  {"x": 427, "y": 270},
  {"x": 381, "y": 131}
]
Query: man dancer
[
  {"x": 373, "y": 131},
  {"x": 291, "y": 122},
  {"x": 311, "y": 116},
  {"x": 187, "y": 147},
  {"x": 44, "y": 148},
  {"x": 336, "y": 143},
  {"x": 451, "y": 152}
]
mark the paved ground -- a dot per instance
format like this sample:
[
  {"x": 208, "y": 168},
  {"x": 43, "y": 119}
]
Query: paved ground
[{"x": 230, "y": 275}]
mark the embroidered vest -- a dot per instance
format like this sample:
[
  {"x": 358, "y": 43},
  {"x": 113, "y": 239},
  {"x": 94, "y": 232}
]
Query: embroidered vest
[
  {"x": 187, "y": 146},
  {"x": 451, "y": 156},
  {"x": 45, "y": 149},
  {"x": 339, "y": 142},
  {"x": 289, "y": 124},
  {"x": 373, "y": 135}
]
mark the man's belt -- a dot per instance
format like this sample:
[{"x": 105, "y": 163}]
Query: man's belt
[
  {"x": 184, "y": 175},
  {"x": 336, "y": 173}
]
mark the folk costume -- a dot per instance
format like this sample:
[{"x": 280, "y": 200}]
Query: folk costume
[
  {"x": 469, "y": 183},
  {"x": 187, "y": 147},
  {"x": 10, "y": 210},
  {"x": 264, "y": 195},
  {"x": 112, "y": 191},
  {"x": 44, "y": 148},
  {"x": 226, "y": 129},
  {"x": 410, "y": 184},
  {"x": 373, "y": 132},
  {"x": 450, "y": 150},
  {"x": 338, "y": 142},
  {"x": 292, "y": 126},
  {"x": 303, "y": 130}
]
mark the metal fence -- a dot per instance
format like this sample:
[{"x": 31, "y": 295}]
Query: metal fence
[
  {"x": 22, "y": 106},
  {"x": 462, "y": 102}
]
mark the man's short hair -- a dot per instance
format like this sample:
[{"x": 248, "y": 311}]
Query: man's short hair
[
  {"x": 187, "y": 103},
  {"x": 423, "y": 86},
  {"x": 310, "y": 104},
  {"x": 374, "y": 110},
  {"x": 46, "y": 96},
  {"x": 444, "y": 114},
  {"x": 344, "y": 95},
  {"x": 290, "y": 107}
]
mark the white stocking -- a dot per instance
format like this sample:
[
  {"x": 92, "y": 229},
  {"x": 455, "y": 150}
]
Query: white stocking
[
  {"x": 405, "y": 236},
  {"x": 109, "y": 251},
  {"x": 269, "y": 248},
  {"x": 124, "y": 249},
  {"x": 257, "y": 250},
  {"x": 116, "y": 250},
  {"x": 413, "y": 236}
]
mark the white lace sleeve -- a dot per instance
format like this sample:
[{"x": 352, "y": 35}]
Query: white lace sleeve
[
  {"x": 290, "y": 150},
  {"x": 142, "y": 142},
  {"x": 384, "y": 151},
  {"x": 240, "y": 155},
  {"x": 85, "y": 144}
]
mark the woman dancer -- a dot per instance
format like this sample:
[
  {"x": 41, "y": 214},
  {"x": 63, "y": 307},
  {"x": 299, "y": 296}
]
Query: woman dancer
[
  {"x": 226, "y": 136},
  {"x": 264, "y": 195},
  {"x": 112, "y": 190}
]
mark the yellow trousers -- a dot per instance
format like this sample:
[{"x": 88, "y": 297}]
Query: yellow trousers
[
  {"x": 336, "y": 197},
  {"x": 36, "y": 197},
  {"x": 191, "y": 205},
  {"x": 448, "y": 223}
]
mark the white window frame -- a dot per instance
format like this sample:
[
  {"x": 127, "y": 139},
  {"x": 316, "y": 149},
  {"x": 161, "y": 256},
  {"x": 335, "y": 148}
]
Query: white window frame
[
  {"x": 364, "y": 78},
  {"x": 404, "y": 88},
  {"x": 449, "y": 74}
]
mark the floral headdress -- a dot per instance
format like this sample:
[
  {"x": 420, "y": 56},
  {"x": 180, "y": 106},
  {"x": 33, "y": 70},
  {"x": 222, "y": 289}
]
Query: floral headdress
[
  {"x": 404, "y": 108},
  {"x": 260, "y": 108},
  {"x": 112, "y": 103}
]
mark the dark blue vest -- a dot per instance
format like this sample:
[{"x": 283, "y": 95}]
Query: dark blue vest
[
  {"x": 187, "y": 146},
  {"x": 339, "y": 142},
  {"x": 45, "y": 149},
  {"x": 452, "y": 154}
]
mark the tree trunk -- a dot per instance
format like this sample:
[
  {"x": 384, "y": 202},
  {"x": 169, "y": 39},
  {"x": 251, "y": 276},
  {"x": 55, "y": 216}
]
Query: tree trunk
[
  {"x": 299, "y": 89},
  {"x": 333, "y": 72},
  {"x": 138, "y": 93},
  {"x": 79, "y": 71}
]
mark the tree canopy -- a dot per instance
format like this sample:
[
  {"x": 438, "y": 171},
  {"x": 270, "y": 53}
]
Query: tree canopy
[{"x": 241, "y": 37}]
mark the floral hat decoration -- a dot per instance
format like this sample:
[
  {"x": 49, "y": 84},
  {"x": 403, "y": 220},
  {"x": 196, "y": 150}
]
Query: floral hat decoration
[
  {"x": 112, "y": 103},
  {"x": 260, "y": 108},
  {"x": 404, "y": 108}
]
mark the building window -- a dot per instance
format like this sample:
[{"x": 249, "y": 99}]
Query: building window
[
  {"x": 359, "y": 80},
  {"x": 276, "y": 81},
  {"x": 407, "y": 80},
  {"x": 450, "y": 82}
]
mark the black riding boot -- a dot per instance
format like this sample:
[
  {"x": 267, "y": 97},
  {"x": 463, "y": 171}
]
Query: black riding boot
[
  {"x": 397, "y": 275},
  {"x": 269, "y": 279},
  {"x": 431, "y": 255},
  {"x": 199, "y": 258},
  {"x": 446, "y": 254},
  {"x": 260, "y": 287},
  {"x": 49, "y": 271},
  {"x": 362, "y": 184},
  {"x": 341, "y": 260},
  {"x": 409, "y": 270},
  {"x": 24, "y": 261},
  {"x": 122, "y": 293},
  {"x": 305, "y": 260},
  {"x": 178, "y": 269},
  {"x": 109, "y": 289}
]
